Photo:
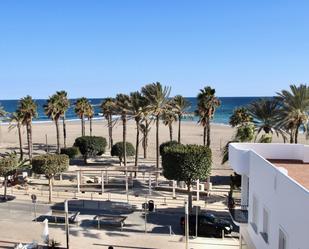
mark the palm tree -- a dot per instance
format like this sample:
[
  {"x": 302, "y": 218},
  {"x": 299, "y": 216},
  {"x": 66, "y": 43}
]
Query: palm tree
[
  {"x": 16, "y": 122},
  {"x": 123, "y": 108},
  {"x": 265, "y": 113},
  {"x": 240, "y": 117},
  {"x": 206, "y": 107},
  {"x": 2, "y": 114},
  {"x": 89, "y": 114},
  {"x": 157, "y": 97},
  {"x": 53, "y": 110},
  {"x": 81, "y": 107},
  {"x": 169, "y": 117},
  {"x": 28, "y": 110},
  {"x": 181, "y": 105},
  {"x": 145, "y": 129},
  {"x": 137, "y": 102},
  {"x": 64, "y": 104},
  {"x": 294, "y": 107},
  {"x": 108, "y": 109}
]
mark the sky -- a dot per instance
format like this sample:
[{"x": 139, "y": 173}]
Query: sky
[{"x": 101, "y": 48}]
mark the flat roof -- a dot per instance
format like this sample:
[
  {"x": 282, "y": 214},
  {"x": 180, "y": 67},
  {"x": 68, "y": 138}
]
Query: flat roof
[{"x": 297, "y": 169}]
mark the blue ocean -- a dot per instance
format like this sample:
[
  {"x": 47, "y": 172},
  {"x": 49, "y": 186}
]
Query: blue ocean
[{"x": 228, "y": 104}]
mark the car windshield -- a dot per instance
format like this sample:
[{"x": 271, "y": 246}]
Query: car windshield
[{"x": 211, "y": 218}]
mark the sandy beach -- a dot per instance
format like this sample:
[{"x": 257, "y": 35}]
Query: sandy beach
[{"x": 191, "y": 134}]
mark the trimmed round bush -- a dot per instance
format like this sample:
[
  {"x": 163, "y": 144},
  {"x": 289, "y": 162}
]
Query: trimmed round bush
[
  {"x": 117, "y": 150},
  {"x": 71, "y": 152},
  {"x": 167, "y": 144},
  {"x": 90, "y": 146},
  {"x": 50, "y": 164}
]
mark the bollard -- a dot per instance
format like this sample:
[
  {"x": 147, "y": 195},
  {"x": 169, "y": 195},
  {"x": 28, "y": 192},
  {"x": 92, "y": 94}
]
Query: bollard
[
  {"x": 164, "y": 200},
  {"x": 109, "y": 196},
  {"x": 91, "y": 196},
  {"x": 75, "y": 195},
  {"x": 170, "y": 228},
  {"x": 222, "y": 234}
]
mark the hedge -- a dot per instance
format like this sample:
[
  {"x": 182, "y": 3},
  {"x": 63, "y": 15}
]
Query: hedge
[
  {"x": 50, "y": 164},
  {"x": 186, "y": 162},
  {"x": 90, "y": 146},
  {"x": 167, "y": 144},
  {"x": 71, "y": 152},
  {"x": 117, "y": 150}
]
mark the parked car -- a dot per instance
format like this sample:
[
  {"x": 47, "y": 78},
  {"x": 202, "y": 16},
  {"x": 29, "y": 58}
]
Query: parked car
[{"x": 208, "y": 225}]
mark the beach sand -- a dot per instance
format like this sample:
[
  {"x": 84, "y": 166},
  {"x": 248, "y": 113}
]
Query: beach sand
[{"x": 192, "y": 133}]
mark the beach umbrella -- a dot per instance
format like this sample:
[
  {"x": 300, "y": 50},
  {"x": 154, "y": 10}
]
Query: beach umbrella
[{"x": 45, "y": 234}]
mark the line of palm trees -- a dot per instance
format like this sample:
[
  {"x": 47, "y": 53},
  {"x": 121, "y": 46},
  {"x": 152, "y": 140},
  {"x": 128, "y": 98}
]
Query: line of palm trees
[
  {"x": 284, "y": 114},
  {"x": 152, "y": 104}
]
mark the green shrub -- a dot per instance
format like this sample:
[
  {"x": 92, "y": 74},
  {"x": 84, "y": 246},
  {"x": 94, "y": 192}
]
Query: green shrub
[
  {"x": 71, "y": 152},
  {"x": 187, "y": 163},
  {"x": 117, "y": 150},
  {"x": 50, "y": 164},
  {"x": 167, "y": 144},
  {"x": 90, "y": 146}
]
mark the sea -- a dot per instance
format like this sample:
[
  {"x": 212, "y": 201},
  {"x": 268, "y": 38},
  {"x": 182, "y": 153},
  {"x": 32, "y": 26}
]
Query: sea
[{"x": 222, "y": 114}]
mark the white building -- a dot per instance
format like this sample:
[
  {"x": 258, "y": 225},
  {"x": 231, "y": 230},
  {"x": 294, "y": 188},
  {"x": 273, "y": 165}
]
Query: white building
[{"x": 274, "y": 211}]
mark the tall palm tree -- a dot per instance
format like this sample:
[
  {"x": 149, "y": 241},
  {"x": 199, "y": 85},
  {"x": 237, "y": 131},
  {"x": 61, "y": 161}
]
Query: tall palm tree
[
  {"x": 240, "y": 117},
  {"x": 16, "y": 122},
  {"x": 181, "y": 105},
  {"x": 53, "y": 110},
  {"x": 145, "y": 129},
  {"x": 64, "y": 104},
  {"x": 81, "y": 107},
  {"x": 294, "y": 107},
  {"x": 206, "y": 107},
  {"x": 123, "y": 109},
  {"x": 137, "y": 102},
  {"x": 157, "y": 97},
  {"x": 2, "y": 114},
  {"x": 265, "y": 113},
  {"x": 28, "y": 110},
  {"x": 89, "y": 114},
  {"x": 108, "y": 109},
  {"x": 169, "y": 117}
]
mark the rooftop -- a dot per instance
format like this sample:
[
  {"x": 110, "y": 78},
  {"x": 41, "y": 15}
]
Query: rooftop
[{"x": 296, "y": 169}]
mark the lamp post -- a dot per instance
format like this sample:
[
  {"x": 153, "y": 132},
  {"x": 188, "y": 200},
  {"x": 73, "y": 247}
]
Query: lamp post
[
  {"x": 66, "y": 210},
  {"x": 186, "y": 225}
]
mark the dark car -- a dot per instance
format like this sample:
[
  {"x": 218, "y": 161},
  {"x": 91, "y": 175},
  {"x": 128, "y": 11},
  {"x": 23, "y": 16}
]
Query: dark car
[{"x": 208, "y": 225}]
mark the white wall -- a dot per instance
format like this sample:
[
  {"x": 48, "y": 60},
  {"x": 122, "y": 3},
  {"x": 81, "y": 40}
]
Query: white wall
[{"x": 286, "y": 201}]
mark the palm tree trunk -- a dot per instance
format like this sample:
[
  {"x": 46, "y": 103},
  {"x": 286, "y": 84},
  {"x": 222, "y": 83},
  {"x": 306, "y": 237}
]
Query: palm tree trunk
[
  {"x": 136, "y": 147},
  {"x": 90, "y": 122},
  {"x": 170, "y": 127},
  {"x": 64, "y": 132},
  {"x": 296, "y": 133},
  {"x": 204, "y": 135},
  {"x": 58, "y": 135},
  {"x": 83, "y": 125},
  {"x": 208, "y": 133},
  {"x": 157, "y": 148},
  {"x": 146, "y": 138},
  {"x": 20, "y": 141},
  {"x": 50, "y": 184},
  {"x": 111, "y": 130},
  {"x": 124, "y": 137},
  {"x": 291, "y": 136},
  {"x": 29, "y": 140},
  {"x": 179, "y": 129}
]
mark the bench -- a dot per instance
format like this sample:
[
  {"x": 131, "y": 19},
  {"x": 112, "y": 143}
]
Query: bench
[{"x": 110, "y": 220}]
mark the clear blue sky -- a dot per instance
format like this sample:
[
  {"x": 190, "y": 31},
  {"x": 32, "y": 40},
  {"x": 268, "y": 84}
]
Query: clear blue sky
[{"x": 100, "y": 48}]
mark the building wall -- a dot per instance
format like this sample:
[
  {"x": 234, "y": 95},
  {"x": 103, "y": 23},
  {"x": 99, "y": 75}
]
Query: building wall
[{"x": 286, "y": 201}]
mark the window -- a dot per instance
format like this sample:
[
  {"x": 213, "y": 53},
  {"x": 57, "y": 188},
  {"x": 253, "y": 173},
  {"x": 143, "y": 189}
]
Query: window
[
  {"x": 282, "y": 239},
  {"x": 265, "y": 231},
  {"x": 254, "y": 214}
]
